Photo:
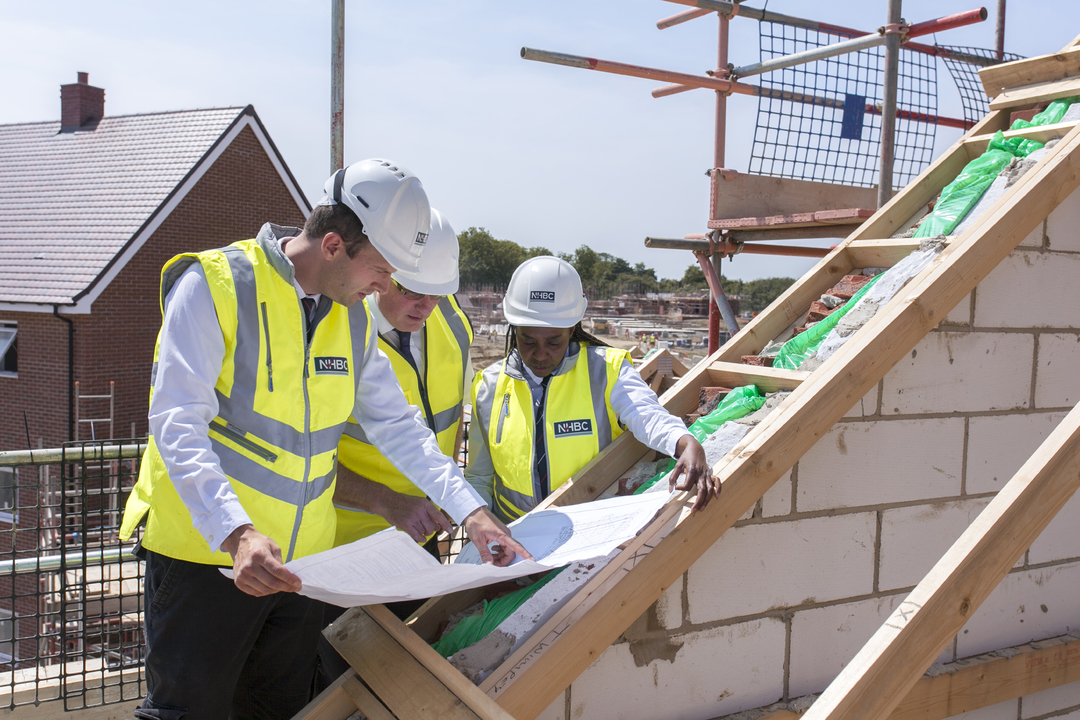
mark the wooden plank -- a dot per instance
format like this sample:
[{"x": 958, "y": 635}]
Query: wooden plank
[
  {"x": 772, "y": 447},
  {"x": 1029, "y": 71},
  {"x": 805, "y": 233},
  {"x": 761, "y": 196},
  {"x": 727, "y": 374},
  {"x": 977, "y": 144},
  {"x": 333, "y": 703},
  {"x": 1041, "y": 92},
  {"x": 881, "y": 674},
  {"x": 981, "y": 681},
  {"x": 367, "y": 703},
  {"x": 787, "y": 308},
  {"x": 395, "y": 676},
  {"x": 849, "y": 216},
  {"x": 990, "y": 679},
  {"x": 881, "y": 253},
  {"x": 437, "y": 665}
]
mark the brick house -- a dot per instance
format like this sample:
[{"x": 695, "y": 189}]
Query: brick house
[{"x": 91, "y": 207}]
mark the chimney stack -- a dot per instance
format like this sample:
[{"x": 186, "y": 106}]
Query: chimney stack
[{"x": 80, "y": 104}]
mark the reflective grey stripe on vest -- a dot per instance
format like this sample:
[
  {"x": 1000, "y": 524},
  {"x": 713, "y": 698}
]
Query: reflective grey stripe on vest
[
  {"x": 247, "y": 472},
  {"x": 445, "y": 420},
  {"x": 457, "y": 327},
  {"x": 524, "y": 503},
  {"x": 356, "y": 432},
  {"x": 239, "y": 408},
  {"x": 485, "y": 399},
  {"x": 598, "y": 386}
]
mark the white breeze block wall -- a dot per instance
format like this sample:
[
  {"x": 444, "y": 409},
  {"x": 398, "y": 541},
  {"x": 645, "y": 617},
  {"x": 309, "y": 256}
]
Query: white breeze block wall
[{"x": 781, "y": 603}]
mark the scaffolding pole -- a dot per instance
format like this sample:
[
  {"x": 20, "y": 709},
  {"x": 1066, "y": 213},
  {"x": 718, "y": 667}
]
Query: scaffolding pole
[
  {"x": 893, "y": 33},
  {"x": 337, "y": 86}
]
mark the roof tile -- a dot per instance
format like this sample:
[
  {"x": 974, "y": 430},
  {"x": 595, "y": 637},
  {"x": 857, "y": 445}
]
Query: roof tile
[{"x": 70, "y": 201}]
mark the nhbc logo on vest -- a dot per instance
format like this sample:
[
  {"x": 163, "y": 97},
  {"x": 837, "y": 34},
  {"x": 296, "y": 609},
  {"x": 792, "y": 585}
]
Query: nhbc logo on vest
[
  {"x": 571, "y": 428},
  {"x": 541, "y": 296},
  {"x": 331, "y": 366}
]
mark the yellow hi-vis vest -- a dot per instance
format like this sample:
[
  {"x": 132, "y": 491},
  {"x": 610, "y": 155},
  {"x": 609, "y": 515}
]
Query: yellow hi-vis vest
[
  {"x": 578, "y": 422},
  {"x": 283, "y": 406},
  {"x": 447, "y": 337}
]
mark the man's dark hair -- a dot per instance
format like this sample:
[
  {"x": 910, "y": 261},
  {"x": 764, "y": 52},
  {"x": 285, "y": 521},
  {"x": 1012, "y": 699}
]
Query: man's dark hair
[
  {"x": 579, "y": 335},
  {"x": 337, "y": 219}
]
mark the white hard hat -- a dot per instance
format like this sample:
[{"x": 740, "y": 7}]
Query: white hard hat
[
  {"x": 438, "y": 273},
  {"x": 390, "y": 202},
  {"x": 544, "y": 292}
]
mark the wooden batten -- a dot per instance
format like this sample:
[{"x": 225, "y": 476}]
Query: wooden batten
[
  {"x": 881, "y": 253},
  {"x": 981, "y": 681},
  {"x": 1030, "y": 71},
  {"x": 886, "y": 668},
  {"x": 1041, "y": 92},
  {"x": 726, "y": 374},
  {"x": 978, "y": 144}
]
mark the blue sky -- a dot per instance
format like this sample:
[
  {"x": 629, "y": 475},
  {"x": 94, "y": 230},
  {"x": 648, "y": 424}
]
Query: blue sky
[{"x": 536, "y": 153}]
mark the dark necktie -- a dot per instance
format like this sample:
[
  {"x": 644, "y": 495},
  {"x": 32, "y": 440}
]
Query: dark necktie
[
  {"x": 309, "y": 315},
  {"x": 540, "y": 453},
  {"x": 406, "y": 348}
]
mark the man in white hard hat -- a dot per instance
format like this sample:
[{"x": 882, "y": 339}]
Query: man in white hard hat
[
  {"x": 265, "y": 351},
  {"x": 426, "y": 336},
  {"x": 559, "y": 397}
]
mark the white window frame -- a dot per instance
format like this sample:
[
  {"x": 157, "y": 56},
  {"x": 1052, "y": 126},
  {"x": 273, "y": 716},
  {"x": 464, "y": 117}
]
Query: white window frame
[
  {"x": 8, "y": 620},
  {"x": 8, "y": 332},
  {"x": 10, "y": 514}
]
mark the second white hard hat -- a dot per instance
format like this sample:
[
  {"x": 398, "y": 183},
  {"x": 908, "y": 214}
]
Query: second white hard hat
[
  {"x": 438, "y": 273},
  {"x": 391, "y": 204},
  {"x": 544, "y": 292}
]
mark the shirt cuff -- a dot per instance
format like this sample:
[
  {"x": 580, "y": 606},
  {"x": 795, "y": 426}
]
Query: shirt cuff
[
  {"x": 463, "y": 503},
  {"x": 222, "y": 523}
]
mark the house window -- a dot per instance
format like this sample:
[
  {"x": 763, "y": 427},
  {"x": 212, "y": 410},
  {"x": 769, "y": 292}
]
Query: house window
[
  {"x": 7, "y": 636},
  {"x": 9, "y": 361},
  {"x": 7, "y": 495}
]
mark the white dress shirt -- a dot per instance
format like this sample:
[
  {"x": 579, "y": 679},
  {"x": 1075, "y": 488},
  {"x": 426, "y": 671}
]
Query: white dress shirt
[
  {"x": 389, "y": 333},
  {"x": 184, "y": 402},
  {"x": 634, "y": 403}
]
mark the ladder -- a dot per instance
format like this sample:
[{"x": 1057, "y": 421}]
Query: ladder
[{"x": 397, "y": 674}]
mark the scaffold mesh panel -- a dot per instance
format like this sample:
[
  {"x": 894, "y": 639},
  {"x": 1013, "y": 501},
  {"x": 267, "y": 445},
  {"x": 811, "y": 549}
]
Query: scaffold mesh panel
[
  {"x": 821, "y": 121},
  {"x": 964, "y": 64}
]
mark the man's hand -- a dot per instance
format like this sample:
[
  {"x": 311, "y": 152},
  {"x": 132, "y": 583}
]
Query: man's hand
[
  {"x": 694, "y": 469},
  {"x": 257, "y": 566},
  {"x": 485, "y": 529},
  {"x": 415, "y": 515}
]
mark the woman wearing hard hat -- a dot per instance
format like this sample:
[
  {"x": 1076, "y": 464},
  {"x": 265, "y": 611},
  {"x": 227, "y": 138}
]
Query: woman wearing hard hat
[{"x": 559, "y": 397}]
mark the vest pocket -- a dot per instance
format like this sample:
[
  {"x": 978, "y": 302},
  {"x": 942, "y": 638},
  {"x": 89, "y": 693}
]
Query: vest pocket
[
  {"x": 269, "y": 362},
  {"x": 503, "y": 414},
  {"x": 237, "y": 437}
]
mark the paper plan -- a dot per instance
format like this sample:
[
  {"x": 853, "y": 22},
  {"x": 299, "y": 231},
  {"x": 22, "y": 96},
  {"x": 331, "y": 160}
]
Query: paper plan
[{"x": 389, "y": 566}]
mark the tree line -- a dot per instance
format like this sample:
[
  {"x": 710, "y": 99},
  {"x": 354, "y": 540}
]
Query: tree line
[{"x": 488, "y": 261}]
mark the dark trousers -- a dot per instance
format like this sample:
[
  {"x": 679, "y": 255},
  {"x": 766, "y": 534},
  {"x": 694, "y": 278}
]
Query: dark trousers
[{"x": 214, "y": 652}]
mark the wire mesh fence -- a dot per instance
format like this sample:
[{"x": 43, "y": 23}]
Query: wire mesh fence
[
  {"x": 964, "y": 64},
  {"x": 821, "y": 121},
  {"x": 70, "y": 591}
]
